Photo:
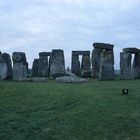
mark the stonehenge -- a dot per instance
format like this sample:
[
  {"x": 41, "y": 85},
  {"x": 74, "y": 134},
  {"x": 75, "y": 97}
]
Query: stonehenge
[
  {"x": 43, "y": 64},
  {"x": 129, "y": 69},
  {"x": 103, "y": 61},
  {"x": 20, "y": 66},
  {"x": 52, "y": 64},
  {"x": 57, "y": 63},
  {"x": 84, "y": 68},
  {"x": 5, "y": 66},
  {"x": 49, "y": 64}
]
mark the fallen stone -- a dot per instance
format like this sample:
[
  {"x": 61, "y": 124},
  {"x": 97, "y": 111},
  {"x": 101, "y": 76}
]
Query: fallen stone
[{"x": 71, "y": 79}]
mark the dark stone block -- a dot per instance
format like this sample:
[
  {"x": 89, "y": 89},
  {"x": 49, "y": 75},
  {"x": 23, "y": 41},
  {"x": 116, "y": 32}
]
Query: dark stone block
[
  {"x": 103, "y": 46},
  {"x": 131, "y": 50},
  {"x": 107, "y": 66},
  {"x": 57, "y": 63},
  {"x": 125, "y": 65},
  {"x": 80, "y": 52}
]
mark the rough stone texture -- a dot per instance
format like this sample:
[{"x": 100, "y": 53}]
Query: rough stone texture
[
  {"x": 136, "y": 67},
  {"x": 80, "y": 52},
  {"x": 103, "y": 46},
  {"x": 45, "y": 54},
  {"x": 43, "y": 64},
  {"x": 57, "y": 63},
  {"x": 35, "y": 68},
  {"x": 85, "y": 67},
  {"x": 37, "y": 79},
  {"x": 96, "y": 60},
  {"x": 19, "y": 71},
  {"x": 107, "y": 66},
  {"x": 131, "y": 50},
  {"x": 75, "y": 65},
  {"x": 5, "y": 66},
  {"x": 71, "y": 79},
  {"x": 20, "y": 66},
  {"x": 125, "y": 65}
]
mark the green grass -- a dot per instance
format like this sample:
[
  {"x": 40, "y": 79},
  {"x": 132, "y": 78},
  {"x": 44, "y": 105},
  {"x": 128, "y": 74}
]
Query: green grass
[{"x": 56, "y": 111}]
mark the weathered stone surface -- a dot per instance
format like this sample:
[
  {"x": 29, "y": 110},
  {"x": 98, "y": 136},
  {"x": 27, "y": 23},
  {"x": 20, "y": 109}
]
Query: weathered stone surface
[
  {"x": 20, "y": 66},
  {"x": 19, "y": 71},
  {"x": 43, "y": 64},
  {"x": 103, "y": 46},
  {"x": 57, "y": 63},
  {"x": 131, "y": 50},
  {"x": 96, "y": 60},
  {"x": 75, "y": 65},
  {"x": 36, "y": 79},
  {"x": 18, "y": 57},
  {"x": 125, "y": 65},
  {"x": 35, "y": 68},
  {"x": 136, "y": 67},
  {"x": 85, "y": 67},
  {"x": 44, "y": 53},
  {"x": 71, "y": 79},
  {"x": 80, "y": 52},
  {"x": 107, "y": 66},
  {"x": 5, "y": 66}
]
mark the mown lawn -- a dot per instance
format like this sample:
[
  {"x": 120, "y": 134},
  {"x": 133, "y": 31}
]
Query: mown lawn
[{"x": 56, "y": 111}]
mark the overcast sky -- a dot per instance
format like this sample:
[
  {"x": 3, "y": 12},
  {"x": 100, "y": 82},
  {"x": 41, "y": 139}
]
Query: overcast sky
[{"x": 33, "y": 26}]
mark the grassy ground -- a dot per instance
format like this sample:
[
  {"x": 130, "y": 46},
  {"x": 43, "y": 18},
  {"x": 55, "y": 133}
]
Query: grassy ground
[{"x": 56, "y": 111}]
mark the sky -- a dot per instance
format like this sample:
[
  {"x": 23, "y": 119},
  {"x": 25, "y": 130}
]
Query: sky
[{"x": 33, "y": 26}]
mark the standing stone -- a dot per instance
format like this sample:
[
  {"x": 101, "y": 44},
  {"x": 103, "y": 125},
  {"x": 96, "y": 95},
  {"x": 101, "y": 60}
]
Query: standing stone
[
  {"x": 43, "y": 64},
  {"x": 35, "y": 68},
  {"x": 125, "y": 65},
  {"x": 136, "y": 67},
  {"x": 107, "y": 66},
  {"x": 57, "y": 63},
  {"x": 5, "y": 66},
  {"x": 75, "y": 66},
  {"x": 19, "y": 66},
  {"x": 96, "y": 60},
  {"x": 85, "y": 67}
]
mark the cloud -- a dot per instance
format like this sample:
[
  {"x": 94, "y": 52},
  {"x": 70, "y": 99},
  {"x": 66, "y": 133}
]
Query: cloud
[{"x": 41, "y": 25}]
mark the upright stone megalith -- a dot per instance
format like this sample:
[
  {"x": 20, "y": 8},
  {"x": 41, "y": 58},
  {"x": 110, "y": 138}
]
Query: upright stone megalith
[
  {"x": 96, "y": 60},
  {"x": 136, "y": 67},
  {"x": 5, "y": 66},
  {"x": 43, "y": 64},
  {"x": 129, "y": 69},
  {"x": 35, "y": 68},
  {"x": 85, "y": 67},
  {"x": 20, "y": 66},
  {"x": 103, "y": 61},
  {"x": 75, "y": 65},
  {"x": 125, "y": 65},
  {"x": 81, "y": 69},
  {"x": 57, "y": 63},
  {"x": 107, "y": 66}
]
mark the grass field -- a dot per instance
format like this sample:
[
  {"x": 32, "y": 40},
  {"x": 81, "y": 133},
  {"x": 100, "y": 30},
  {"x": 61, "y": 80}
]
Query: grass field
[{"x": 56, "y": 111}]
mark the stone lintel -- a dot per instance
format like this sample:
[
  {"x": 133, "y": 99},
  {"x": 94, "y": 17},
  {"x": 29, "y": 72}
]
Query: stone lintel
[
  {"x": 80, "y": 52},
  {"x": 45, "y": 54},
  {"x": 131, "y": 50},
  {"x": 103, "y": 46}
]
